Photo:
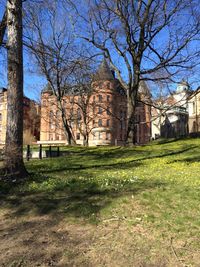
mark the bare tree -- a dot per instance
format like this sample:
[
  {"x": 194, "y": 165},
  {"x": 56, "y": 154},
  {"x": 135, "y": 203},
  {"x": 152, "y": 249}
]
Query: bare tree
[
  {"x": 13, "y": 162},
  {"x": 143, "y": 37},
  {"x": 56, "y": 52}
]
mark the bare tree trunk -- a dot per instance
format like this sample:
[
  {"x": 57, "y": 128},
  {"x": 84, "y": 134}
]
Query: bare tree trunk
[
  {"x": 67, "y": 131},
  {"x": 131, "y": 107},
  {"x": 14, "y": 165},
  {"x": 131, "y": 134}
]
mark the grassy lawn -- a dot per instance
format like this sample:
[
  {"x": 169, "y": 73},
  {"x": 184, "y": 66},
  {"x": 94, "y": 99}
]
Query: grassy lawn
[{"x": 106, "y": 206}]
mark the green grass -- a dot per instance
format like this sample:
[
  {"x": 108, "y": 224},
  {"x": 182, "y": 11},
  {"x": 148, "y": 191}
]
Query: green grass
[{"x": 156, "y": 187}]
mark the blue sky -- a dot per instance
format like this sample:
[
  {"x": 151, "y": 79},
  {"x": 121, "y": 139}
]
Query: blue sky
[{"x": 34, "y": 82}]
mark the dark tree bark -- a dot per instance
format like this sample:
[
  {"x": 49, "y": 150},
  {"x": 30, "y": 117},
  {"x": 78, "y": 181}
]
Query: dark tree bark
[{"x": 13, "y": 163}]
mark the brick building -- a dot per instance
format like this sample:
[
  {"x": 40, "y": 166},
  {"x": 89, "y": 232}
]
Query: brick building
[
  {"x": 31, "y": 118},
  {"x": 98, "y": 117}
]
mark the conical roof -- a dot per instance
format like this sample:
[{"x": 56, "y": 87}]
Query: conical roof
[
  {"x": 184, "y": 82},
  {"x": 104, "y": 72}
]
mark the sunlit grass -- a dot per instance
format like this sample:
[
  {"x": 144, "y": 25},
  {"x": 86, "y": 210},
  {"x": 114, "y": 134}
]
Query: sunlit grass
[{"x": 155, "y": 187}]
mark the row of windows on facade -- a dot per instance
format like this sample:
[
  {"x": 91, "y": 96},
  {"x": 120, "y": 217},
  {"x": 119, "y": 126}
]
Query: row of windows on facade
[
  {"x": 100, "y": 123},
  {"x": 98, "y": 98},
  {"x": 122, "y": 114},
  {"x": 96, "y": 136},
  {"x": 57, "y": 114}
]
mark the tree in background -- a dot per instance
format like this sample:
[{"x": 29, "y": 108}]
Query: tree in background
[
  {"x": 141, "y": 38},
  {"x": 58, "y": 55}
]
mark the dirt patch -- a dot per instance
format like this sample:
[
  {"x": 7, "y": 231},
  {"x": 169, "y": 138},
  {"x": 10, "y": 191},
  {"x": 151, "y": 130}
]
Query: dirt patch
[{"x": 46, "y": 241}]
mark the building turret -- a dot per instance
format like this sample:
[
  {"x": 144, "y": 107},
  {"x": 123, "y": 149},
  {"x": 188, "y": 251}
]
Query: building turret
[
  {"x": 104, "y": 73},
  {"x": 109, "y": 101},
  {"x": 182, "y": 86},
  {"x": 181, "y": 94}
]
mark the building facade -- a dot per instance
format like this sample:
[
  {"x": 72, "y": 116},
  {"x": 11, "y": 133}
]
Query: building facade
[
  {"x": 194, "y": 113},
  {"x": 178, "y": 115},
  {"x": 31, "y": 119},
  {"x": 95, "y": 118}
]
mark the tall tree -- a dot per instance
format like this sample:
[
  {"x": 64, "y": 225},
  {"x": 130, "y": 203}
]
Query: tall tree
[
  {"x": 13, "y": 163},
  {"x": 141, "y": 38},
  {"x": 58, "y": 56}
]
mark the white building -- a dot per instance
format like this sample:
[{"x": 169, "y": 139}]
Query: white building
[{"x": 170, "y": 119}]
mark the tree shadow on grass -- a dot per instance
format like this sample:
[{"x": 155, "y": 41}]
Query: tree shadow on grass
[
  {"x": 68, "y": 164},
  {"x": 83, "y": 199},
  {"x": 77, "y": 197},
  {"x": 188, "y": 160}
]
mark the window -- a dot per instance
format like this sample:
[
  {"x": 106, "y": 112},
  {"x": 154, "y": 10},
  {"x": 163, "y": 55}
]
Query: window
[
  {"x": 100, "y": 135},
  {"x": 51, "y": 117},
  {"x": 71, "y": 100},
  {"x": 108, "y": 123},
  {"x": 44, "y": 103},
  {"x": 78, "y": 136},
  {"x": 100, "y": 98},
  {"x": 193, "y": 107},
  {"x": 58, "y": 114},
  {"x": 100, "y": 110},
  {"x": 0, "y": 117},
  {"x": 108, "y": 98},
  {"x": 100, "y": 123},
  {"x": 108, "y": 111},
  {"x": 78, "y": 114},
  {"x": 107, "y": 136},
  {"x": 94, "y": 98},
  {"x": 100, "y": 85},
  {"x": 64, "y": 103},
  {"x": 94, "y": 110},
  {"x": 51, "y": 137}
]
